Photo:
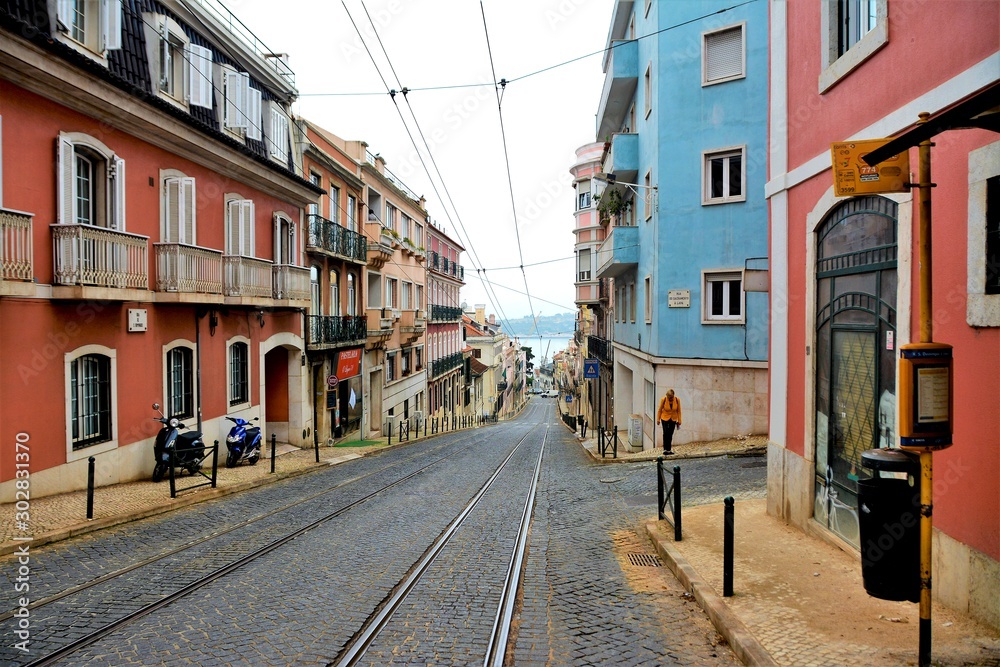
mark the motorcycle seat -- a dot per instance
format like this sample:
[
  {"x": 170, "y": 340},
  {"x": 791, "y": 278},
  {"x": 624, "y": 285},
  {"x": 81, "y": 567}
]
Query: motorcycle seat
[
  {"x": 190, "y": 437},
  {"x": 253, "y": 431}
]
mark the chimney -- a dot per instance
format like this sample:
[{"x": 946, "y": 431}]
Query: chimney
[
  {"x": 493, "y": 319},
  {"x": 481, "y": 313}
]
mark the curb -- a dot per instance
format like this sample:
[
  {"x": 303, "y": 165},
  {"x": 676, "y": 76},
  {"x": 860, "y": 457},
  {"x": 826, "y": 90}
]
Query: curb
[
  {"x": 747, "y": 451},
  {"x": 741, "y": 640}
]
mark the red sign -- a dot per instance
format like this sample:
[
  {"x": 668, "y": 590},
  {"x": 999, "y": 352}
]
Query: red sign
[{"x": 348, "y": 363}]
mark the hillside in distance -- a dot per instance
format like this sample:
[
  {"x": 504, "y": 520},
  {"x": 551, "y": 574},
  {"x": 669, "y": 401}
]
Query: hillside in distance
[{"x": 560, "y": 324}]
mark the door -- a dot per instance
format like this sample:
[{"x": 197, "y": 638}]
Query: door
[{"x": 855, "y": 352}]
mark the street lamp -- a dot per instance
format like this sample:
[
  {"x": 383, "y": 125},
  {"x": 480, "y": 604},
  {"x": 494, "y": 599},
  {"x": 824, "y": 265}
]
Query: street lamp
[{"x": 612, "y": 180}]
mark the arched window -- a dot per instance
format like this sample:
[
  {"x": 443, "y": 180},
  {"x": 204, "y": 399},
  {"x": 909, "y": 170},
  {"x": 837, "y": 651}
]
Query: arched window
[
  {"x": 239, "y": 372},
  {"x": 90, "y": 400},
  {"x": 180, "y": 385}
]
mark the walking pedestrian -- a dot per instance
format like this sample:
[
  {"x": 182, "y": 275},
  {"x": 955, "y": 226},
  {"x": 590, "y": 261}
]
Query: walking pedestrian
[{"x": 669, "y": 414}]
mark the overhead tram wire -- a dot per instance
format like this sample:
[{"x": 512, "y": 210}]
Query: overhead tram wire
[
  {"x": 506, "y": 155},
  {"x": 494, "y": 299}
]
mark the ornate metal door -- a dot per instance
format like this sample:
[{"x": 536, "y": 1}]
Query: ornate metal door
[{"x": 855, "y": 352}]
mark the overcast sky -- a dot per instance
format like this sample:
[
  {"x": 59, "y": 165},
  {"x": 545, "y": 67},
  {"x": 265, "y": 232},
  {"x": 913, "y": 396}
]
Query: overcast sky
[{"x": 443, "y": 43}]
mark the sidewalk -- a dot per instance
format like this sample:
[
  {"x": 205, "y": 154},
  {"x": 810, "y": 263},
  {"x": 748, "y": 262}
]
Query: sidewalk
[
  {"x": 799, "y": 600},
  {"x": 58, "y": 517}
]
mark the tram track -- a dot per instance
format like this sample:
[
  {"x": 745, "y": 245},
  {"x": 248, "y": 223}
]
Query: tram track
[{"x": 200, "y": 581}]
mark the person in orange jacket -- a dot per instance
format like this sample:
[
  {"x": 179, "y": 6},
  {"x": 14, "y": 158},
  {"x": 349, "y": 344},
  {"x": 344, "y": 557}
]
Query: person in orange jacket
[{"x": 669, "y": 414}]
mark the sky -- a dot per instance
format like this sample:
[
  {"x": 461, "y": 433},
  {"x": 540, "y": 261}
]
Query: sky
[{"x": 442, "y": 45}]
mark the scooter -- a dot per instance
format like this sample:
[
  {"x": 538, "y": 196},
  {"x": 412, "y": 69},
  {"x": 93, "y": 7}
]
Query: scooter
[
  {"x": 187, "y": 445},
  {"x": 243, "y": 442}
]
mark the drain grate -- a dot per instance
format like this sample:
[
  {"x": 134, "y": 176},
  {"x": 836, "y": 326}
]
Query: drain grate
[{"x": 645, "y": 560}]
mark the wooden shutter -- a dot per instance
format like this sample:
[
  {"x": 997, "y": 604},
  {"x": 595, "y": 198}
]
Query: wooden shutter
[
  {"x": 724, "y": 54},
  {"x": 116, "y": 195},
  {"x": 172, "y": 210},
  {"x": 111, "y": 24},
  {"x": 236, "y": 84},
  {"x": 279, "y": 135},
  {"x": 200, "y": 75},
  {"x": 253, "y": 114},
  {"x": 67, "y": 182},
  {"x": 233, "y": 213},
  {"x": 247, "y": 224},
  {"x": 187, "y": 210}
]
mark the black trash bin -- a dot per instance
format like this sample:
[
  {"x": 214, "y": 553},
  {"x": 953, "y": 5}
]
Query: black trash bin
[{"x": 889, "y": 518}]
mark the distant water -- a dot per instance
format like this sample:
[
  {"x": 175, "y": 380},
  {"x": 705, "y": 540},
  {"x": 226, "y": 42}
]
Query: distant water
[{"x": 552, "y": 343}]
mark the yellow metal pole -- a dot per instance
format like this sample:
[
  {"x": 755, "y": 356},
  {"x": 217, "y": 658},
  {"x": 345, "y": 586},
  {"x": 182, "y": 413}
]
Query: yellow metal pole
[{"x": 926, "y": 457}]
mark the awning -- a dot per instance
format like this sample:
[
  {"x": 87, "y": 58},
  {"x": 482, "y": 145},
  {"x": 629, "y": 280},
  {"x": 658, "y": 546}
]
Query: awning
[{"x": 982, "y": 110}]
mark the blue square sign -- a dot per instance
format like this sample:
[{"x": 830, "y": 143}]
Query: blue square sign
[{"x": 590, "y": 369}]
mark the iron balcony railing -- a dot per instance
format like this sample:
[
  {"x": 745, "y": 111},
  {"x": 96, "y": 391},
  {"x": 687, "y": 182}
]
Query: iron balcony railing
[
  {"x": 445, "y": 313},
  {"x": 445, "y": 364},
  {"x": 188, "y": 269},
  {"x": 326, "y": 235},
  {"x": 90, "y": 255},
  {"x": 334, "y": 329},
  {"x": 290, "y": 282},
  {"x": 600, "y": 348},
  {"x": 247, "y": 276},
  {"x": 15, "y": 246}
]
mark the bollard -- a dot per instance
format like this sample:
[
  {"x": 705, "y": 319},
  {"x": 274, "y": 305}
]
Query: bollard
[
  {"x": 274, "y": 448},
  {"x": 659, "y": 488},
  {"x": 677, "y": 503},
  {"x": 390, "y": 432},
  {"x": 727, "y": 549},
  {"x": 316, "y": 446},
  {"x": 90, "y": 488},
  {"x": 215, "y": 464}
]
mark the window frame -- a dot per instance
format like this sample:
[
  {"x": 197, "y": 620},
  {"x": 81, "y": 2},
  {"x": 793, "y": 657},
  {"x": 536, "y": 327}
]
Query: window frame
[
  {"x": 75, "y": 453},
  {"x": 187, "y": 234},
  {"x": 648, "y": 299},
  {"x": 246, "y": 221},
  {"x": 107, "y": 181},
  {"x": 240, "y": 401},
  {"x": 706, "y": 178},
  {"x": 836, "y": 65},
  {"x": 706, "y": 37},
  {"x": 647, "y": 89},
  {"x": 192, "y": 393},
  {"x": 982, "y": 307},
  {"x": 102, "y": 33},
  {"x": 709, "y": 276}
]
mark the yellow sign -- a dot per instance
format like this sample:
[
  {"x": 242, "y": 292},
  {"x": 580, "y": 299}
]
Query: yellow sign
[{"x": 853, "y": 176}]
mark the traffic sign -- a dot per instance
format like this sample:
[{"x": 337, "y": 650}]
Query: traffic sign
[
  {"x": 332, "y": 381},
  {"x": 852, "y": 176},
  {"x": 590, "y": 369}
]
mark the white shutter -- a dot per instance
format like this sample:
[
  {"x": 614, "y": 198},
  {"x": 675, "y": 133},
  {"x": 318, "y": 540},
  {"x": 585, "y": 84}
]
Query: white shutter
[
  {"x": 172, "y": 209},
  {"x": 279, "y": 135},
  {"x": 200, "y": 65},
  {"x": 724, "y": 54},
  {"x": 63, "y": 10},
  {"x": 111, "y": 24},
  {"x": 233, "y": 213},
  {"x": 237, "y": 87},
  {"x": 247, "y": 225},
  {"x": 117, "y": 195},
  {"x": 165, "y": 64},
  {"x": 67, "y": 182},
  {"x": 253, "y": 114},
  {"x": 187, "y": 226}
]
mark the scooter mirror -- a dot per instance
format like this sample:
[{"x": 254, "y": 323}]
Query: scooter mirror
[{"x": 156, "y": 406}]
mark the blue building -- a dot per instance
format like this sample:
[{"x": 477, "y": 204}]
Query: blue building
[{"x": 683, "y": 115}]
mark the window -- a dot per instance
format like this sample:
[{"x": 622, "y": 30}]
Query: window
[
  {"x": 180, "y": 387},
  {"x": 90, "y": 400},
  {"x": 374, "y": 290},
  {"x": 647, "y": 89},
  {"x": 983, "y": 234},
  {"x": 584, "y": 265},
  {"x": 352, "y": 306},
  {"x": 405, "y": 295},
  {"x": 390, "y": 216},
  {"x": 177, "y": 208},
  {"x": 335, "y": 204},
  {"x": 390, "y": 292},
  {"x": 650, "y": 399},
  {"x": 315, "y": 292},
  {"x": 405, "y": 362},
  {"x": 352, "y": 205},
  {"x": 97, "y": 26},
  {"x": 419, "y": 301},
  {"x": 277, "y": 136},
  {"x": 419, "y": 354},
  {"x": 334, "y": 293},
  {"x": 993, "y": 235},
  {"x": 723, "y": 56},
  {"x": 649, "y": 299},
  {"x": 851, "y": 31},
  {"x": 285, "y": 251},
  {"x": 239, "y": 373},
  {"x": 418, "y": 235},
  {"x": 91, "y": 187},
  {"x": 723, "y": 297},
  {"x": 315, "y": 179},
  {"x": 239, "y": 226},
  {"x": 631, "y": 302},
  {"x": 647, "y": 195},
  {"x": 404, "y": 226},
  {"x": 390, "y": 367},
  {"x": 724, "y": 176},
  {"x": 583, "y": 195}
]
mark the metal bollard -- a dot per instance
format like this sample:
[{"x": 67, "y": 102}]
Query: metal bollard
[
  {"x": 727, "y": 548},
  {"x": 659, "y": 488},
  {"x": 390, "y": 432},
  {"x": 215, "y": 464},
  {"x": 316, "y": 447},
  {"x": 677, "y": 504},
  {"x": 90, "y": 488},
  {"x": 274, "y": 449}
]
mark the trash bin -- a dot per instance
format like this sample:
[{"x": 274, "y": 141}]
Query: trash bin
[{"x": 889, "y": 521}]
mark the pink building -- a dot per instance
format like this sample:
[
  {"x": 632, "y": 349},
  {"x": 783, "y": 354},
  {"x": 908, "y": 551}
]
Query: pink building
[{"x": 844, "y": 271}]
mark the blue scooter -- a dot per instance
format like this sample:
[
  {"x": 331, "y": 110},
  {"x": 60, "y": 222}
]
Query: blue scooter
[{"x": 243, "y": 442}]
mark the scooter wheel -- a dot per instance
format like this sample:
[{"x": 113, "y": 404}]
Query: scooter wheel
[
  {"x": 232, "y": 460},
  {"x": 193, "y": 468},
  {"x": 253, "y": 459},
  {"x": 159, "y": 471}
]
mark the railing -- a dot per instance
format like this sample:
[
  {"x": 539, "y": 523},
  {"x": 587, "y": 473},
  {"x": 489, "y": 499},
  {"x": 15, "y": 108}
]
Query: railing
[
  {"x": 89, "y": 255},
  {"x": 600, "y": 348},
  {"x": 290, "y": 282},
  {"x": 329, "y": 236},
  {"x": 392, "y": 178},
  {"x": 669, "y": 494},
  {"x": 248, "y": 276},
  {"x": 445, "y": 313},
  {"x": 15, "y": 246},
  {"x": 185, "y": 268},
  {"x": 445, "y": 364},
  {"x": 332, "y": 329}
]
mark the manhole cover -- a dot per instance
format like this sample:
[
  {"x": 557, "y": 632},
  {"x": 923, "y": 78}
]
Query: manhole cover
[
  {"x": 645, "y": 560},
  {"x": 754, "y": 464}
]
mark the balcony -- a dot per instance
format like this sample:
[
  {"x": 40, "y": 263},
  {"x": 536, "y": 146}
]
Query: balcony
[
  {"x": 619, "y": 252},
  {"x": 623, "y": 158},
  {"x": 599, "y": 348},
  {"x": 16, "y": 270},
  {"x": 290, "y": 284},
  {"x": 189, "y": 273},
  {"x": 327, "y": 237},
  {"x": 88, "y": 257},
  {"x": 379, "y": 252},
  {"x": 325, "y": 332},
  {"x": 412, "y": 324},
  {"x": 377, "y": 337},
  {"x": 445, "y": 313},
  {"x": 445, "y": 364},
  {"x": 620, "y": 80},
  {"x": 246, "y": 277}
]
